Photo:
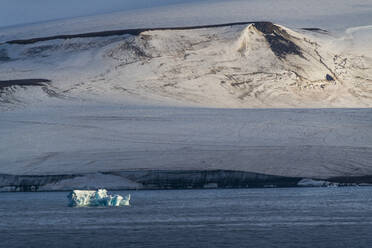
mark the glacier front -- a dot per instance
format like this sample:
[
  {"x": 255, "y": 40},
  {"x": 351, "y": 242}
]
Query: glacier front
[{"x": 93, "y": 198}]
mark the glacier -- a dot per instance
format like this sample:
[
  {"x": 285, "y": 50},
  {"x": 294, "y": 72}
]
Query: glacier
[{"x": 95, "y": 198}]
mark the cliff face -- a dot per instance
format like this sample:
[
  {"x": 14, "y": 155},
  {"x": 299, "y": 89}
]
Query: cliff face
[
  {"x": 28, "y": 183},
  {"x": 145, "y": 180},
  {"x": 190, "y": 179}
]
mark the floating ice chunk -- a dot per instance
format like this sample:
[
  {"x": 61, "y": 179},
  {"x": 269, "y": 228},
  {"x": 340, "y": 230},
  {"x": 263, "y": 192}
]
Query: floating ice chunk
[
  {"x": 85, "y": 198},
  {"x": 306, "y": 182}
]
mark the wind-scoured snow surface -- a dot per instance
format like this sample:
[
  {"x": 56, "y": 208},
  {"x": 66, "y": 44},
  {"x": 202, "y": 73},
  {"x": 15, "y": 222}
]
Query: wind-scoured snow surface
[
  {"x": 190, "y": 99},
  {"x": 79, "y": 139},
  {"x": 256, "y": 65}
]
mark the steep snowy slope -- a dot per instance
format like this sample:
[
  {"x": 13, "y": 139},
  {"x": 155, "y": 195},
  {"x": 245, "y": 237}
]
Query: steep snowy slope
[{"x": 252, "y": 65}]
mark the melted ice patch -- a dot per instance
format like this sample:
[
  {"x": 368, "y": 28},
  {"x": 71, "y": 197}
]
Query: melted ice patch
[{"x": 92, "y": 198}]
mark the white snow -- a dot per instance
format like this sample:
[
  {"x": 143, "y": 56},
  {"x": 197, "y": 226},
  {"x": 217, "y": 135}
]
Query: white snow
[
  {"x": 92, "y": 198},
  {"x": 127, "y": 103},
  {"x": 80, "y": 139},
  {"x": 229, "y": 67}
]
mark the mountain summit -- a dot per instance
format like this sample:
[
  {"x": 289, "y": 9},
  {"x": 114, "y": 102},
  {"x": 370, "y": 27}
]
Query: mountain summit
[{"x": 277, "y": 37}]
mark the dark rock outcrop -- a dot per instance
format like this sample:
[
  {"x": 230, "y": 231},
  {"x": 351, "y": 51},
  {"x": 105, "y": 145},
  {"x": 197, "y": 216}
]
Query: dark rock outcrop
[
  {"x": 23, "y": 82},
  {"x": 329, "y": 78},
  {"x": 279, "y": 40},
  {"x": 199, "y": 179}
]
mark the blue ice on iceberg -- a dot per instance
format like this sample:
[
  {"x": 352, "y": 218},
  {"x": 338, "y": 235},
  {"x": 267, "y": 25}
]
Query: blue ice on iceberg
[{"x": 93, "y": 198}]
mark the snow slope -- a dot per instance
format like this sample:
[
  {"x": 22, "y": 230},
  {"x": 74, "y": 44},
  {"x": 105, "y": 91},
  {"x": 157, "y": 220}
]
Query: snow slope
[
  {"x": 256, "y": 65},
  {"x": 79, "y": 139},
  {"x": 260, "y": 98}
]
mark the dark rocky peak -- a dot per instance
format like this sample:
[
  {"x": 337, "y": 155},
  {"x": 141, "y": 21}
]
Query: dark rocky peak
[
  {"x": 280, "y": 41},
  {"x": 265, "y": 27}
]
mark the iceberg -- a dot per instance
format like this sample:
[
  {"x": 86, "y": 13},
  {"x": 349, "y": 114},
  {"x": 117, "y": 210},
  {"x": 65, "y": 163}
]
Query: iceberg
[
  {"x": 95, "y": 198},
  {"x": 307, "y": 182}
]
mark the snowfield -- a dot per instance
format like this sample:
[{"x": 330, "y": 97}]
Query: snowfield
[
  {"x": 79, "y": 139},
  {"x": 259, "y": 65},
  {"x": 98, "y": 109}
]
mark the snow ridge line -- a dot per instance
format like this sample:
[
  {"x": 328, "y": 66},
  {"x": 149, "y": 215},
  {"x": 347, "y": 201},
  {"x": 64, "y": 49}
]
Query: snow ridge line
[{"x": 135, "y": 31}]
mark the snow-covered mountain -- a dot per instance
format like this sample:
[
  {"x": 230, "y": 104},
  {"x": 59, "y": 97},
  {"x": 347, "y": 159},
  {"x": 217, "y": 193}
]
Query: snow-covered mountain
[
  {"x": 107, "y": 108},
  {"x": 235, "y": 65}
]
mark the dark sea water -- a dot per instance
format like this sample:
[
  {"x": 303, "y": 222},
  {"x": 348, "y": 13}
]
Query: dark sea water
[{"x": 288, "y": 217}]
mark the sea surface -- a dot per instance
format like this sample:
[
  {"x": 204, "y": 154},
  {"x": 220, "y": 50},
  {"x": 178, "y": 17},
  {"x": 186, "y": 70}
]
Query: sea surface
[{"x": 286, "y": 217}]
